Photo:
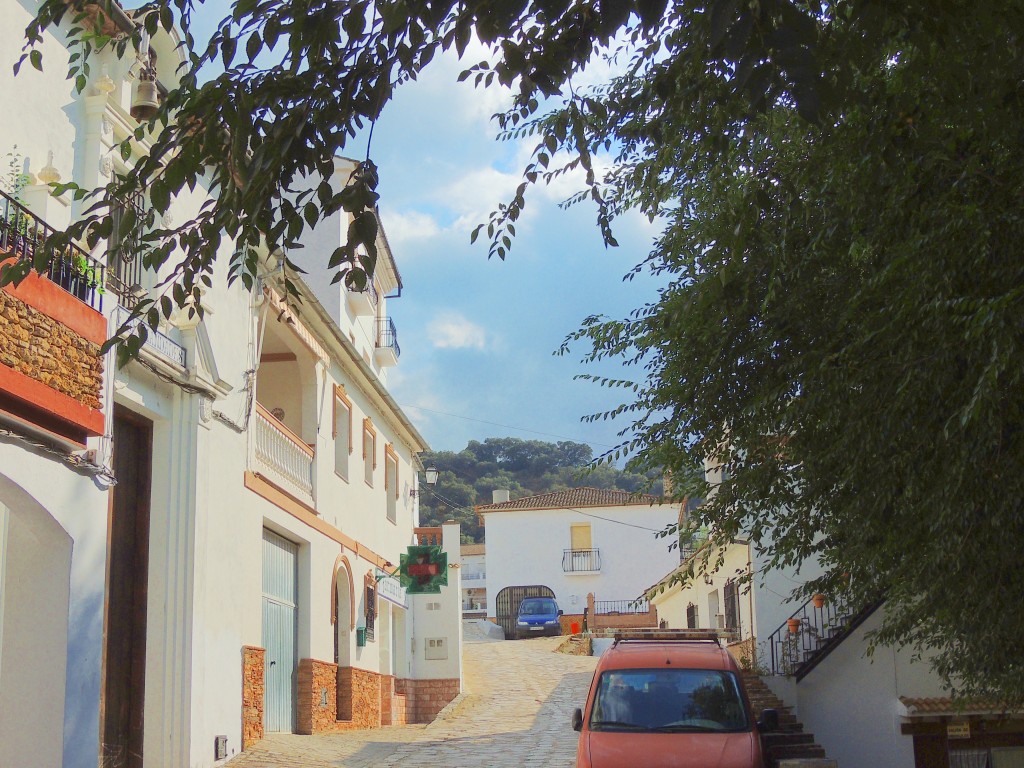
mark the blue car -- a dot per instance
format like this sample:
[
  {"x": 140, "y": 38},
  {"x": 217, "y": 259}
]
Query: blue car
[{"x": 538, "y": 616}]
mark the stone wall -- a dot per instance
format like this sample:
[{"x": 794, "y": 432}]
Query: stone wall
[
  {"x": 317, "y": 706},
  {"x": 49, "y": 352},
  {"x": 252, "y": 695},
  {"x": 359, "y": 698},
  {"x": 424, "y": 699}
]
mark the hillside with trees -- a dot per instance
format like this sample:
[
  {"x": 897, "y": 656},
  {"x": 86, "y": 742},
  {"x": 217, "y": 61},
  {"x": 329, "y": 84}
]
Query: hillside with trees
[{"x": 524, "y": 467}]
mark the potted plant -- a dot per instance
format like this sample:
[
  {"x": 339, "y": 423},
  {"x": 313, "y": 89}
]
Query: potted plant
[
  {"x": 818, "y": 600},
  {"x": 793, "y": 625},
  {"x": 86, "y": 276}
]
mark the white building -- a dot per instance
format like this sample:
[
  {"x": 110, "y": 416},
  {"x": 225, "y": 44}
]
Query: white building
[
  {"x": 235, "y": 579},
  {"x": 474, "y": 581},
  {"x": 573, "y": 543}
]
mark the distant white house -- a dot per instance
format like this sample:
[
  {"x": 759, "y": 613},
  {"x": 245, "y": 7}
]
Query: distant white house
[
  {"x": 474, "y": 581},
  {"x": 572, "y": 543}
]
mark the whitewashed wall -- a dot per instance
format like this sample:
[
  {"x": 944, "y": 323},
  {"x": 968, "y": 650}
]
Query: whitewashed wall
[
  {"x": 56, "y": 549},
  {"x": 440, "y": 616}
]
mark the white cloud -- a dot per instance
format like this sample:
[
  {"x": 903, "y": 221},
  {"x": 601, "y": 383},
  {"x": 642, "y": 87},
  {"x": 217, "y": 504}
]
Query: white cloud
[
  {"x": 405, "y": 227},
  {"x": 451, "y": 330}
]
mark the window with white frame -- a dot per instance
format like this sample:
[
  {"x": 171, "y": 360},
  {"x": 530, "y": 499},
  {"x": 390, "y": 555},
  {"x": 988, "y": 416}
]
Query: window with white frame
[
  {"x": 391, "y": 482},
  {"x": 369, "y": 451},
  {"x": 342, "y": 431}
]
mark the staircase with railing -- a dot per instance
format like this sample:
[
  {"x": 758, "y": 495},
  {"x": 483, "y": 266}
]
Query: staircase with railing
[{"x": 811, "y": 633}]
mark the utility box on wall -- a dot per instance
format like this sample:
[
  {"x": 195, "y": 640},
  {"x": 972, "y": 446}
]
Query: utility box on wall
[{"x": 435, "y": 648}]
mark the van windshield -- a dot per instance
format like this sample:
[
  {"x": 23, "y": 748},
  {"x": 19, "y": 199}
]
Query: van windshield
[
  {"x": 537, "y": 608},
  {"x": 668, "y": 700}
]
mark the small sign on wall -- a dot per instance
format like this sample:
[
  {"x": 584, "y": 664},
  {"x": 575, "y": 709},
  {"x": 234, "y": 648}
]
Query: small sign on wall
[{"x": 958, "y": 729}]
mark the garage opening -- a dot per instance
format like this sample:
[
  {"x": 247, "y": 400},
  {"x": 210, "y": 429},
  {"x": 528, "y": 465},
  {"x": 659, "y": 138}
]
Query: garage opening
[{"x": 506, "y": 606}]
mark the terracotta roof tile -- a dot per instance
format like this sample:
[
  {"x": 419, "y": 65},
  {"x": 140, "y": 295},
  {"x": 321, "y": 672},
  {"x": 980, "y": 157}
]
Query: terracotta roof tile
[
  {"x": 472, "y": 549},
  {"x": 572, "y": 498}
]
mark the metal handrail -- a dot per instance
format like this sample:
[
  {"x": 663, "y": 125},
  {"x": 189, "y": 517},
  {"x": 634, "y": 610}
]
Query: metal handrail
[
  {"x": 22, "y": 233},
  {"x": 814, "y": 628},
  {"x": 578, "y": 560},
  {"x": 606, "y": 607},
  {"x": 387, "y": 335}
]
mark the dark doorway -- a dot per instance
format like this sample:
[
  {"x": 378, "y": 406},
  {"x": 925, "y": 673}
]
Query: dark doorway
[
  {"x": 124, "y": 683},
  {"x": 506, "y": 606}
]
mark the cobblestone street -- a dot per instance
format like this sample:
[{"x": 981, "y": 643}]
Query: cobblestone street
[{"x": 515, "y": 711}]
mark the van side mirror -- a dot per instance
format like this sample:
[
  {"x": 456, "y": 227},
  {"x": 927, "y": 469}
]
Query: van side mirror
[
  {"x": 577, "y": 719},
  {"x": 560, "y": 612},
  {"x": 769, "y": 721}
]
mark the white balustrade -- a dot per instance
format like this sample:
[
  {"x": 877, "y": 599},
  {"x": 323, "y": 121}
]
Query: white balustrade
[{"x": 279, "y": 450}]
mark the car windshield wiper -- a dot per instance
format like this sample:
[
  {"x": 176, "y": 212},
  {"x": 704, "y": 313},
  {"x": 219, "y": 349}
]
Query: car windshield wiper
[
  {"x": 678, "y": 728},
  {"x": 617, "y": 724}
]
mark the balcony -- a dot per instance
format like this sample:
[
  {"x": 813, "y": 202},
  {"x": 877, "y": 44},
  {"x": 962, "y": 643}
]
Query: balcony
[
  {"x": 280, "y": 453},
  {"x": 51, "y": 332},
  {"x": 474, "y": 576},
  {"x": 387, "y": 350},
  {"x": 581, "y": 561},
  {"x": 363, "y": 302},
  {"x": 74, "y": 270}
]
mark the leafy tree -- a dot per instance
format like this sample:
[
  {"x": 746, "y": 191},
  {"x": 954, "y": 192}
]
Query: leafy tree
[
  {"x": 839, "y": 186},
  {"x": 843, "y": 328}
]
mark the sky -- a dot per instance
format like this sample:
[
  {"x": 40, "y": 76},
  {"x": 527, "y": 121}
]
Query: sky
[{"x": 477, "y": 335}]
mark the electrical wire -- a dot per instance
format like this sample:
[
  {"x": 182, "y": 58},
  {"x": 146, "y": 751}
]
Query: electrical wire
[
  {"x": 72, "y": 460},
  {"x": 459, "y": 508}
]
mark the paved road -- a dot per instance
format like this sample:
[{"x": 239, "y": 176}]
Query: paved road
[{"x": 515, "y": 712}]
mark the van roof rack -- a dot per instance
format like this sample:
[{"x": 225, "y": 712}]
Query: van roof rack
[{"x": 667, "y": 635}]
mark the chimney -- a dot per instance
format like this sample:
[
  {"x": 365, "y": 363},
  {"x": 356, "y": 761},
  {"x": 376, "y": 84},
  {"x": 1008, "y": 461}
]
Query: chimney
[{"x": 499, "y": 497}]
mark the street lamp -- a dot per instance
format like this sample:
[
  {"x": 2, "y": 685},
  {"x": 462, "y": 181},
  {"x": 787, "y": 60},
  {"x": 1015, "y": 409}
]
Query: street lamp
[{"x": 430, "y": 474}]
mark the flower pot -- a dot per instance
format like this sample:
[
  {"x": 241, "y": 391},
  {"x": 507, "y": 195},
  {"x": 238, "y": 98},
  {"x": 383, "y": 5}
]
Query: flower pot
[
  {"x": 818, "y": 600},
  {"x": 793, "y": 625}
]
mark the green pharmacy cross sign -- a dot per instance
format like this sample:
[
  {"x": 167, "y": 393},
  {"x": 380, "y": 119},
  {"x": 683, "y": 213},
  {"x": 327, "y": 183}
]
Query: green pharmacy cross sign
[{"x": 424, "y": 570}]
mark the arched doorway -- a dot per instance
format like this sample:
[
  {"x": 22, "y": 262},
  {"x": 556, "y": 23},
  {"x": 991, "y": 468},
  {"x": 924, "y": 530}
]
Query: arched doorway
[
  {"x": 506, "y": 605},
  {"x": 343, "y": 622},
  {"x": 35, "y": 574},
  {"x": 343, "y": 617}
]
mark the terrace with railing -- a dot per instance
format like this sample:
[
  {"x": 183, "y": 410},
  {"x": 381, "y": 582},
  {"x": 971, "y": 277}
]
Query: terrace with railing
[
  {"x": 22, "y": 236},
  {"x": 282, "y": 452}
]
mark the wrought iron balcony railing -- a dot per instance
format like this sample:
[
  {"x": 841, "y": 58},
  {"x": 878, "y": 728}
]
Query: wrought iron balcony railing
[
  {"x": 387, "y": 336},
  {"x": 581, "y": 560},
  {"x": 22, "y": 234},
  {"x": 608, "y": 607}
]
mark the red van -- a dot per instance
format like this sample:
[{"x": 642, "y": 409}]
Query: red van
[{"x": 669, "y": 704}]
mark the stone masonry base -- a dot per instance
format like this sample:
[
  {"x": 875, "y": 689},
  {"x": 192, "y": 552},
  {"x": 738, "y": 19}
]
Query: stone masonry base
[
  {"x": 333, "y": 698},
  {"x": 252, "y": 695}
]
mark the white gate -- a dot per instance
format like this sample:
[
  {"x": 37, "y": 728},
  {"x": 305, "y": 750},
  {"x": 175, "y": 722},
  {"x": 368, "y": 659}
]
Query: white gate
[{"x": 280, "y": 627}]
